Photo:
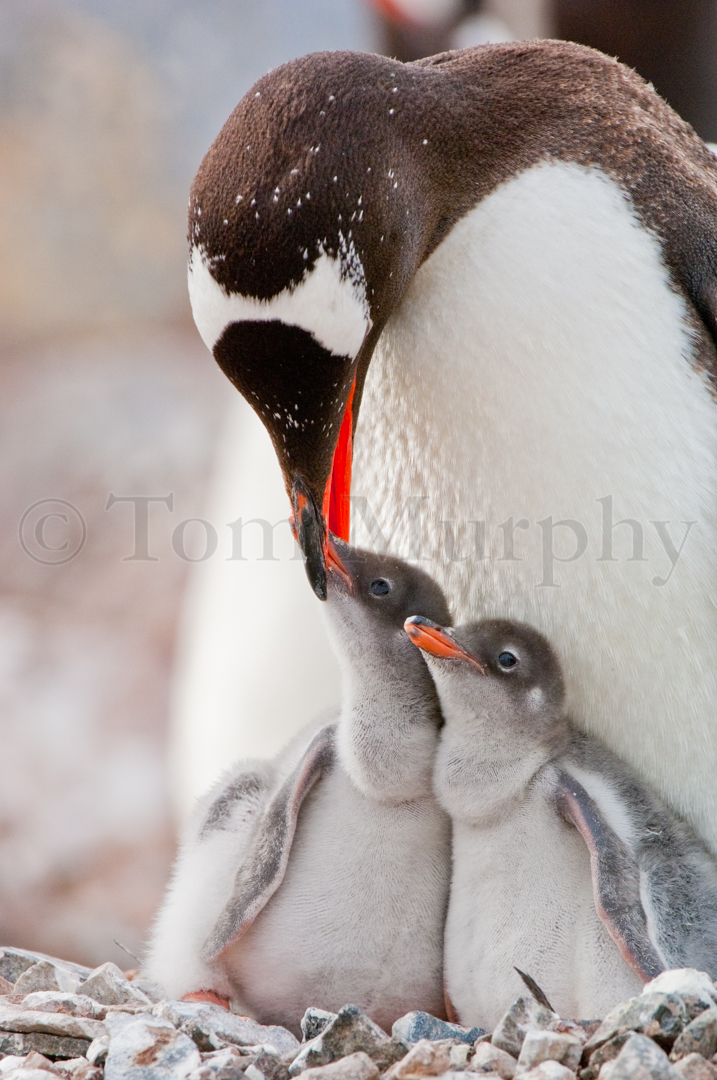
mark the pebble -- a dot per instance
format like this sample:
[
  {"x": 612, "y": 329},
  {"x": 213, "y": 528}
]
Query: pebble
[
  {"x": 421, "y": 1025},
  {"x": 524, "y": 1015},
  {"x": 78, "y": 1069},
  {"x": 356, "y": 1066},
  {"x": 699, "y": 1037},
  {"x": 73, "y": 1069},
  {"x": 14, "y": 961},
  {"x": 110, "y": 986},
  {"x": 459, "y": 1054},
  {"x": 226, "y": 1064},
  {"x": 96, "y": 1052},
  {"x": 25, "y": 1072},
  {"x": 59, "y": 1002},
  {"x": 266, "y": 1066},
  {"x": 491, "y": 1059},
  {"x": 539, "y": 1046},
  {"x": 10, "y": 1062},
  {"x": 582, "y": 1029},
  {"x": 349, "y": 1031},
  {"x": 640, "y": 1059},
  {"x": 52, "y": 1046},
  {"x": 212, "y": 1027},
  {"x": 424, "y": 1059},
  {"x": 45, "y": 976},
  {"x": 16, "y": 1019},
  {"x": 33, "y": 1064},
  {"x": 460, "y": 1074},
  {"x": 549, "y": 1070},
  {"x": 607, "y": 1052},
  {"x": 658, "y": 1015},
  {"x": 694, "y": 987},
  {"x": 146, "y": 1047},
  {"x": 694, "y": 1067},
  {"x": 314, "y": 1021}
]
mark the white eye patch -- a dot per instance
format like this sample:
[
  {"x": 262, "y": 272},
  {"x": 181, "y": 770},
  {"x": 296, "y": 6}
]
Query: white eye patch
[{"x": 330, "y": 303}]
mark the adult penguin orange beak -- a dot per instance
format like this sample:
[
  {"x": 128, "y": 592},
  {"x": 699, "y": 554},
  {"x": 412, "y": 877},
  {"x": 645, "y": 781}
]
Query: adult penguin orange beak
[
  {"x": 333, "y": 562},
  {"x": 310, "y": 521}
]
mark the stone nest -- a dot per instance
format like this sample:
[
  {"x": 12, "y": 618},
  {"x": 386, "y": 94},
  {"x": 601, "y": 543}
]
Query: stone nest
[{"x": 60, "y": 1020}]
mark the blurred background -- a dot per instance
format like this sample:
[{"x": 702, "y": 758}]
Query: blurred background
[{"x": 117, "y": 431}]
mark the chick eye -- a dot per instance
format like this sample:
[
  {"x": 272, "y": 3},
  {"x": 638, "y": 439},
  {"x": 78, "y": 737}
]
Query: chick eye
[
  {"x": 379, "y": 587},
  {"x": 507, "y": 660}
]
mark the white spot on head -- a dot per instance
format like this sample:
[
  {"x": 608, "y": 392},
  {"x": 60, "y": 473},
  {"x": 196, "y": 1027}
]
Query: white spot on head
[
  {"x": 391, "y": 112},
  {"x": 330, "y": 302},
  {"x": 331, "y": 97},
  {"x": 536, "y": 698},
  {"x": 257, "y": 94},
  {"x": 425, "y": 142}
]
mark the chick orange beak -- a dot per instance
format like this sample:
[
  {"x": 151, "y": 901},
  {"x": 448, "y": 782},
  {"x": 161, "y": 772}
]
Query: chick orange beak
[{"x": 433, "y": 639}]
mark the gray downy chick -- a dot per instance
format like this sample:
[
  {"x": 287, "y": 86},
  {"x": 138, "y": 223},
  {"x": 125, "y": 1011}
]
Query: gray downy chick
[
  {"x": 565, "y": 865},
  {"x": 337, "y": 886}
]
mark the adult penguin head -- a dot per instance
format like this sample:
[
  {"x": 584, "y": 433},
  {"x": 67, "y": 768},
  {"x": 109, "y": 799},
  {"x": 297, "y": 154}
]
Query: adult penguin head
[{"x": 307, "y": 219}]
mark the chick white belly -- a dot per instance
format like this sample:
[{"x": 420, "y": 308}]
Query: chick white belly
[
  {"x": 522, "y": 896},
  {"x": 538, "y": 363},
  {"x": 359, "y": 916}
]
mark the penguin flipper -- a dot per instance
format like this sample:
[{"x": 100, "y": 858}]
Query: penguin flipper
[
  {"x": 264, "y": 866},
  {"x": 616, "y": 879}
]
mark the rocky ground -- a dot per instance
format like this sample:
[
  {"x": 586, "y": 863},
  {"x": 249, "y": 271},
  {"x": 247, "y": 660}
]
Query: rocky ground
[{"x": 60, "y": 1020}]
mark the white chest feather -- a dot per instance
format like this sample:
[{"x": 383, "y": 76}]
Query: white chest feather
[
  {"x": 522, "y": 896},
  {"x": 535, "y": 388},
  {"x": 359, "y": 915}
]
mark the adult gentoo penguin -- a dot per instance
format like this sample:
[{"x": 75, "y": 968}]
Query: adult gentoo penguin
[
  {"x": 487, "y": 282},
  {"x": 562, "y": 860},
  {"x": 323, "y": 876}
]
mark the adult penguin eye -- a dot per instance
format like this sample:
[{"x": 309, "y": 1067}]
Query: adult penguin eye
[
  {"x": 507, "y": 660},
  {"x": 379, "y": 587}
]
